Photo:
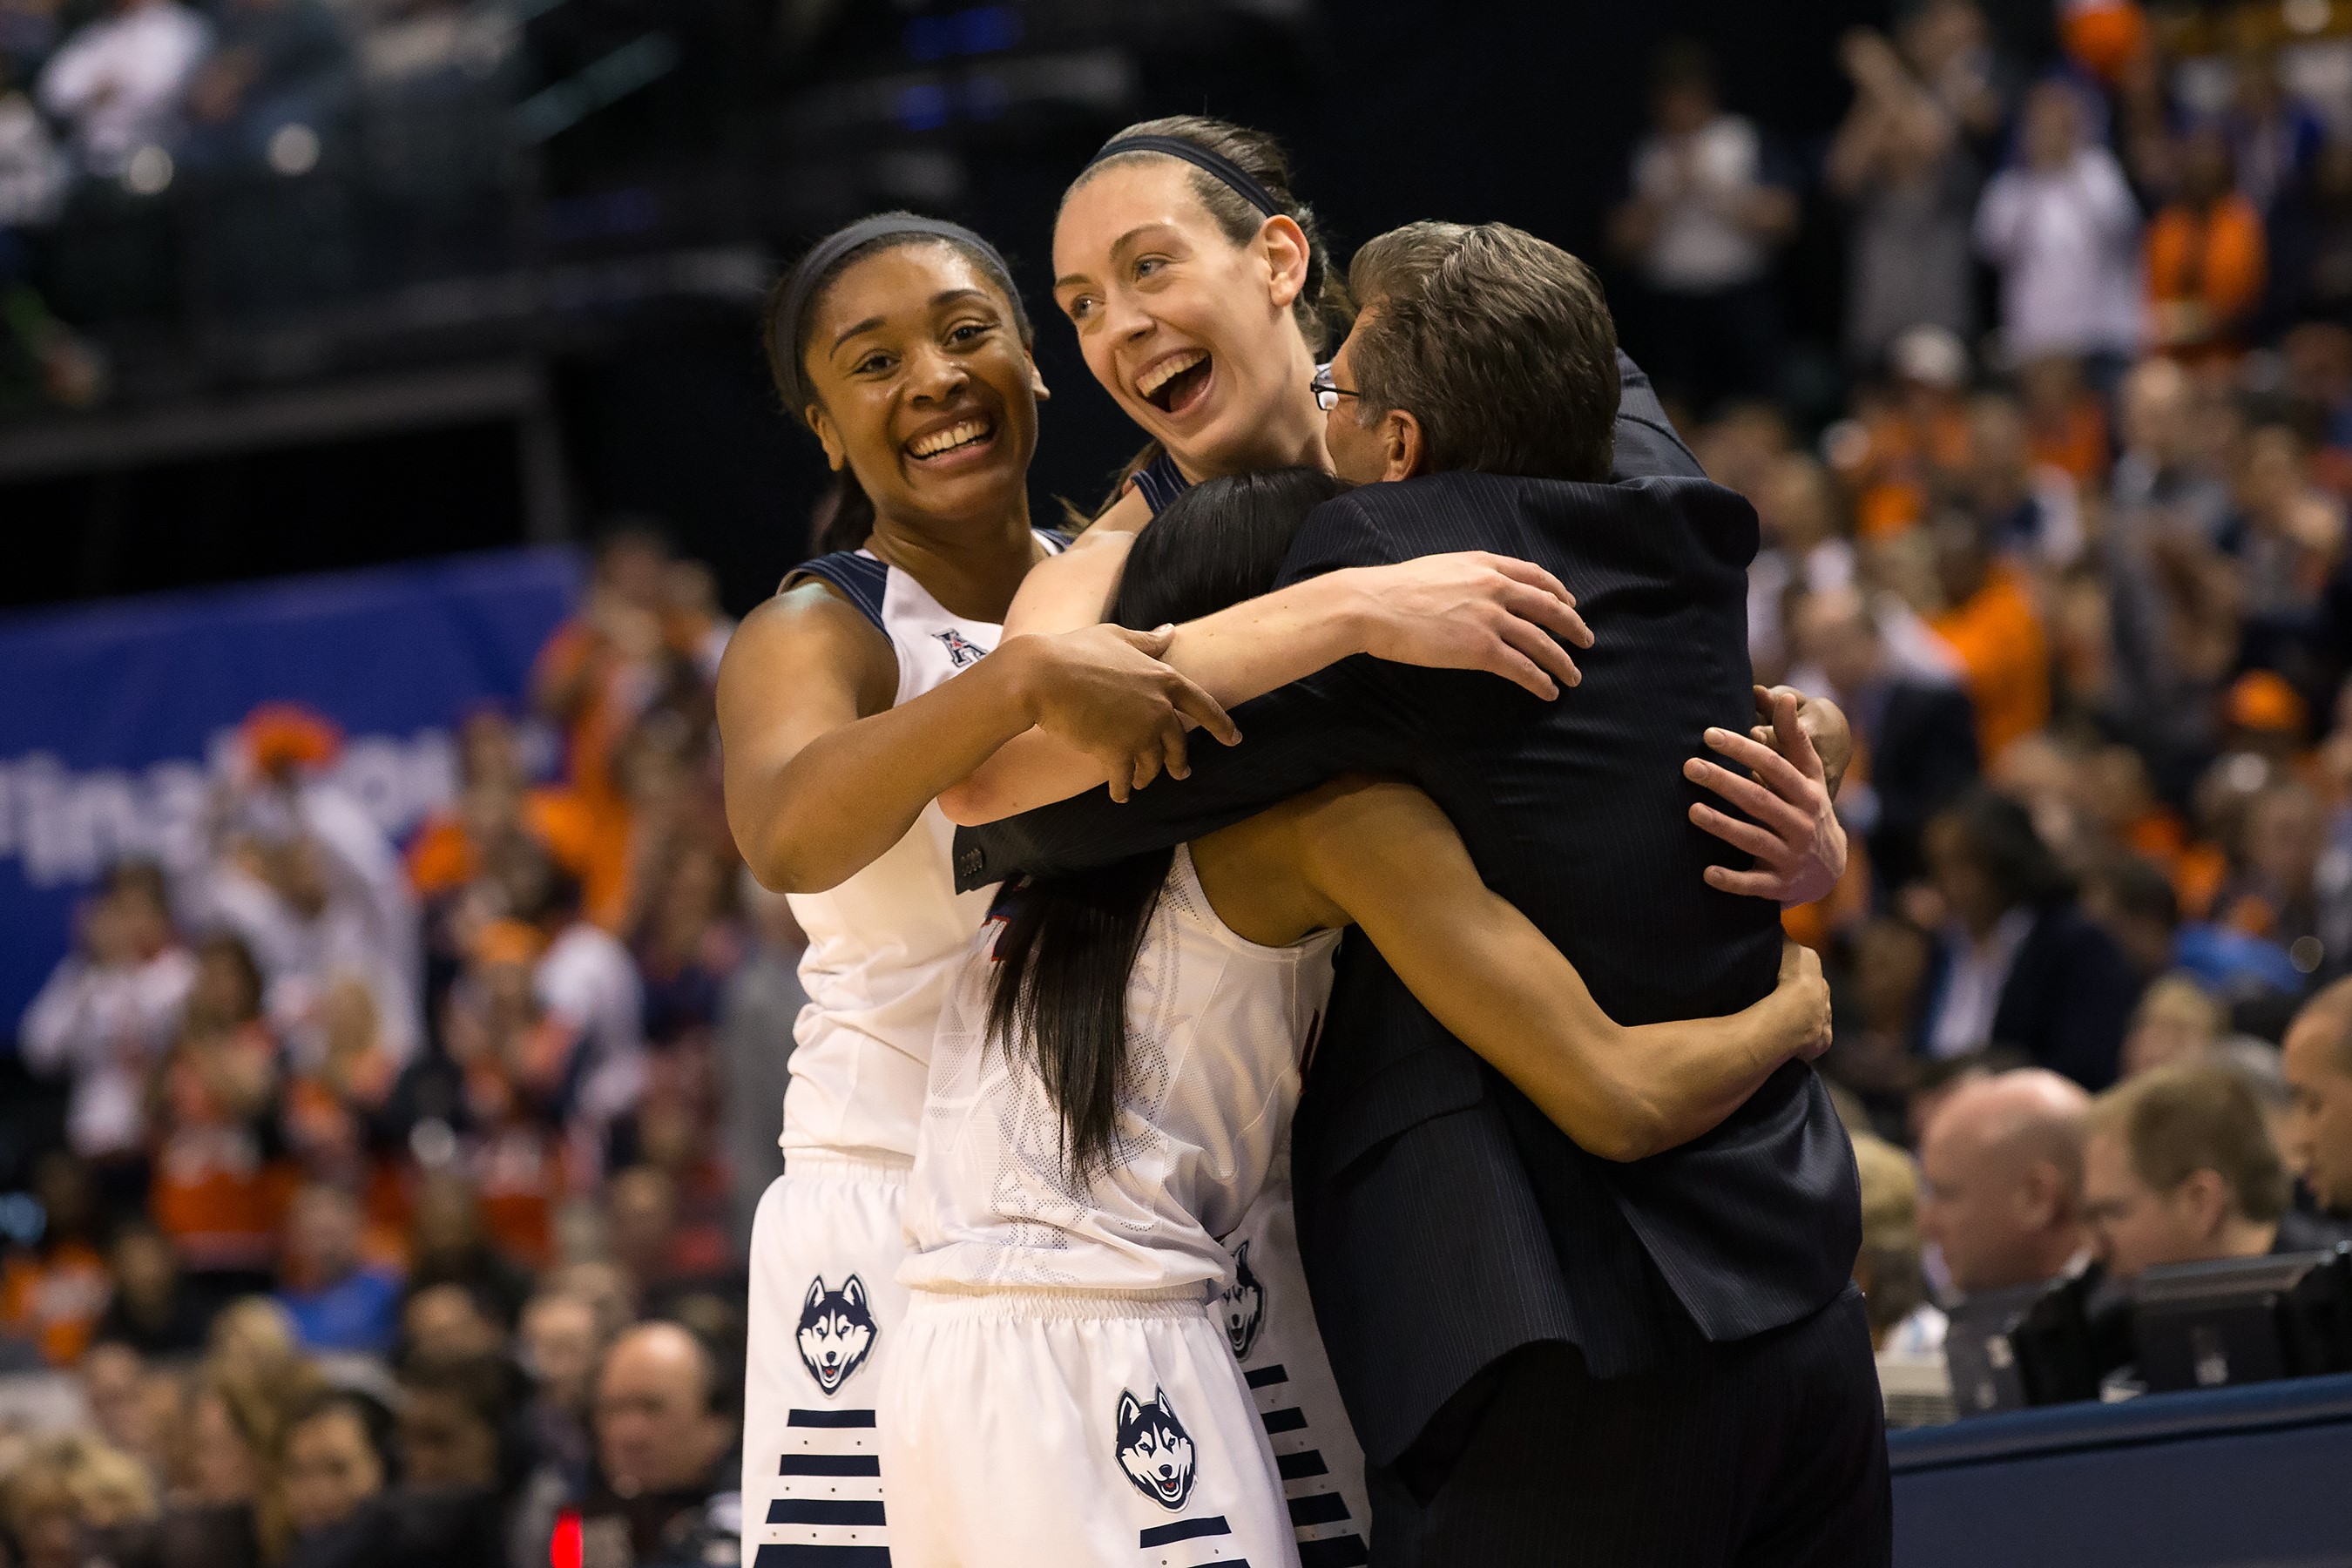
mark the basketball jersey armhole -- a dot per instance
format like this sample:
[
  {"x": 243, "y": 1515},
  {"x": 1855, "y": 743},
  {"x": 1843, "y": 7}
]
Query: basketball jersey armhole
[
  {"x": 1161, "y": 481},
  {"x": 853, "y": 574}
]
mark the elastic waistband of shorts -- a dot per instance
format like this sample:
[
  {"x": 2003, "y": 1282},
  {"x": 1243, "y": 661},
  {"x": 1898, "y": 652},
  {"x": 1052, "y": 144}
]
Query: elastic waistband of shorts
[
  {"x": 824, "y": 1165},
  {"x": 1178, "y": 1302}
]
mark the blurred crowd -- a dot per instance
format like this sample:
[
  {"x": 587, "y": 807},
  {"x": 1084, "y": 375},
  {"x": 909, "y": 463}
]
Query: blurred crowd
[
  {"x": 2072, "y": 555},
  {"x": 281, "y": 152},
  {"x": 395, "y": 1201}
]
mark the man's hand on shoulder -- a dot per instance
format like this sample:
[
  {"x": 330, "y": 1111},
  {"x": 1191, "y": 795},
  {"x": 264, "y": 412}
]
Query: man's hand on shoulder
[
  {"x": 1798, "y": 842},
  {"x": 1469, "y": 610}
]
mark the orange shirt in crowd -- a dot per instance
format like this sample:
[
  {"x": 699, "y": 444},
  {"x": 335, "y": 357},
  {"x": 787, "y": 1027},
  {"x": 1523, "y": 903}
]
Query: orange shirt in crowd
[
  {"x": 2213, "y": 260},
  {"x": 444, "y": 857},
  {"x": 54, "y": 1298},
  {"x": 2076, "y": 444},
  {"x": 2005, "y": 658},
  {"x": 214, "y": 1195},
  {"x": 1907, "y": 450}
]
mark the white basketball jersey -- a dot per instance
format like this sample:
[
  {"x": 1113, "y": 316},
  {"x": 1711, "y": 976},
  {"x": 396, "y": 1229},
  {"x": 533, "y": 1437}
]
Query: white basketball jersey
[
  {"x": 885, "y": 947},
  {"x": 1218, "y": 1030}
]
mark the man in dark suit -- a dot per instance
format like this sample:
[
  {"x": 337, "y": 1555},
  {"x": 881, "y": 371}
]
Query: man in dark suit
[
  {"x": 1918, "y": 735},
  {"x": 1548, "y": 1357}
]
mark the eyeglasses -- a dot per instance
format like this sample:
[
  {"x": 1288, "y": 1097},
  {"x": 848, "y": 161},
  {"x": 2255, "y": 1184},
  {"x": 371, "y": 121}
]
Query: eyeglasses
[{"x": 1328, "y": 391}]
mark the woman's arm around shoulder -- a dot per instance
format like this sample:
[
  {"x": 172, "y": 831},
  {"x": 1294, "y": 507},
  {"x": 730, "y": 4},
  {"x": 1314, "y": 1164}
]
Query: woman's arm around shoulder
[{"x": 1384, "y": 856}]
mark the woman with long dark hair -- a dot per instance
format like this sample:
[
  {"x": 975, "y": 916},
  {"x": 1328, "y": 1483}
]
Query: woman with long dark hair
[
  {"x": 1200, "y": 289},
  {"x": 1111, "y": 1091}
]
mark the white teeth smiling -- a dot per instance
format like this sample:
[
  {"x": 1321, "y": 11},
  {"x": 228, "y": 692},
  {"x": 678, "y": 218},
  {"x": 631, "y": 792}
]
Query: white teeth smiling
[
  {"x": 1167, "y": 369},
  {"x": 961, "y": 434}
]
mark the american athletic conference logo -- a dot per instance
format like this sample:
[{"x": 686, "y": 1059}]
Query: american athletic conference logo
[
  {"x": 961, "y": 649},
  {"x": 836, "y": 1332},
  {"x": 1154, "y": 1449}
]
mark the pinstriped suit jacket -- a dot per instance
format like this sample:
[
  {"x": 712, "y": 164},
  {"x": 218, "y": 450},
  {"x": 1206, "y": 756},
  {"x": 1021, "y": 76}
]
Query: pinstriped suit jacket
[{"x": 1444, "y": 1222}]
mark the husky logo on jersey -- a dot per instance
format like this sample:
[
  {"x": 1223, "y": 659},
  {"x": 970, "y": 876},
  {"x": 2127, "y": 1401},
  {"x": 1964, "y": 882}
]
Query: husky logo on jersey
[
  {"x": 836, "y": 1331},
  {"x": 961, "y": 650},
  {"x": 1154, "y": 1449},
  {"x": 1244, "y": 1306}
]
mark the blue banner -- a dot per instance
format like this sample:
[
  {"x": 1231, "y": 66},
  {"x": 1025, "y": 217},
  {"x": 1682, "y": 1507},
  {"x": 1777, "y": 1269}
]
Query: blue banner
[{"x": 113, "y": 717}]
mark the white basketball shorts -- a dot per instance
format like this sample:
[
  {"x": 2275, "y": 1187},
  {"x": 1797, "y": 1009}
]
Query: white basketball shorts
[
  {"x": 825, "y": 1313},
  {"x": 1271, "y": 1323},
  {"x": 1075, "y": 1429}
]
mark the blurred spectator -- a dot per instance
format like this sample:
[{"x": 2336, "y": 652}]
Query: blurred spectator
[
  {"x": 2134, "y": 902},
  {"x": 2065, "y": 421},
  {"x": 1898, "y": 163},
  {"x": 303, "y": 874},
  {"x": 338, "y": 1301},
  {"x": 2172, "y": 601},
  {"x": 2062, "y": 228},
  {"x": 2002, "y": 1194},
  {"x": 517, "y": 1059},
  {"x": 335, "y": 1462},
  {"x": 591, "y": 1063},
  {"x": 238, "y": 1428},
  {"x": 2319, "y": 1072},
  {"x": 68, "y": 1487},
  {"x": 1917, "y": 739},
  {"x": 2311, "y": 258},
  {"x": 756, "y": 1018},
  {"x": 2022, "y": 965},
  {"x": 561, "y": 1344},
  {"x": 1991, "y": 623},
  {"x": 278, "y": 84},
  {"x": 218, "y": 1195},
  {"x": 451, "y": 1322},
  {"x": 1892, "y": 1282},
  {"x": 2180, "y": 1168},
  {"x": 664, "y": 1450},
  {"x": 2175, "y": 1021},
  {"x": 1700, "y": 226},
  {"x": 452, "y": 1419},
  {"x": 150, "y": 1311},
  {"x": 642, "y": 1207},
  {"x": 108, "y": 1014},
  {"x": 133, "y": 1406},
  {"x": 2273, "y": 138},
  {"x": 607, "y": 1290},
  {"x": 1804, "y": 552},
  {"x": 118, "y": 80},
  {"x": 2286, "y": 534},
  {"x": 2206, "y": 258},
  {"x": 601, "y": 672},
  {"x": 2026, "y": 508},
  {"x": 53, "y": 1292},
  {"x": 2274, "y": 894},
  {"x": 447, "y": 1246},
  {"x": 687, "y": 945}
]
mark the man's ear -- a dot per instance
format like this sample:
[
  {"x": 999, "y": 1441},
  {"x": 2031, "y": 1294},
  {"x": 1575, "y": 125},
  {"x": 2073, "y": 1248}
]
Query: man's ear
[
  {"x": 1284, "y": 244},
  {"x": 2204, "y": 1201},
  {"x": 1038, "y": 386},
  {"x": 1402, "y": 446},
  {"x": 836, "y": 453}
]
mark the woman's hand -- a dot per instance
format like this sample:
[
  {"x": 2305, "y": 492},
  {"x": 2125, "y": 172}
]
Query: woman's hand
[
  {"x": 1796, "y": 837},
  {"x": 1796, "y": 1016},
  {"x": 1471, "y": 610},
  {"x": 1103, "y": 690}
]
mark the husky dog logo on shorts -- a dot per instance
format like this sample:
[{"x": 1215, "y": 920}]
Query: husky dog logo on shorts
[
  {"x": 1154, "y": 1449},
  {"x": 1244, "y": 1306},
  {"x": 962, "y": 650},
  {"x": 836, "y": 1331}
]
